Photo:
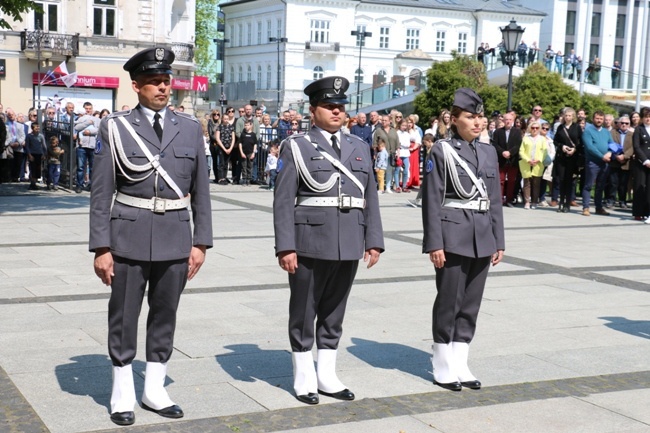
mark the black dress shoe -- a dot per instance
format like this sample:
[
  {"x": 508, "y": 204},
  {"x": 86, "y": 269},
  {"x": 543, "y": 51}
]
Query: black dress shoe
[
  {"x": 169, "y": 412},
  {"x": 471, "y": 384},
  {"x": 123, "y": 418},
  {"x": 310, "y": 398},
  {"x": 346, "y": 394},
  {"x": 451, "y": 386}
]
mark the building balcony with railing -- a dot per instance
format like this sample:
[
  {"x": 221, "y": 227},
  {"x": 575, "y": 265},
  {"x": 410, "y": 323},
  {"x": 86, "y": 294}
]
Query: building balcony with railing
[{"x": 55, "y": 44}]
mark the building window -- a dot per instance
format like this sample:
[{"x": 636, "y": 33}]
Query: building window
[
  {"x": 412, "y": 39},
  {"x": 232, "y": 74},
  {"x": 259, "y": 32},
  {"x": 268, "y": 77},
  {"x": 440, "y": 41},
  {"x": 595, "y": 25},
  {"x": 269, "y": 30},
  {"x": 361, "y": 40},
  {"x": 240, "y": 75},
  {"x": 318, "y": 73},
  {"x": 320, "y": 31},
  {"x": 249, "y": 74},
  {"x": 462, "y": 43},
  {"x": 258, "y": 82},
  {"x": 571, "y": 23},
  {"x": 279, "y": 29},
  {"x": 384, "y": 34},
  {"x": 249, "y": 34},
  {"x": 48, "y": 20},
  {"x": 358, "y": 76},
  {"x": 381, "y": 77},
  {"x": 594, "y": 49},
  {"x": 104, "y": 17},
  {"x": 620, "y": 25},
  {"x": 240, "y": 35},
  {"x": 618, "y": 53}
]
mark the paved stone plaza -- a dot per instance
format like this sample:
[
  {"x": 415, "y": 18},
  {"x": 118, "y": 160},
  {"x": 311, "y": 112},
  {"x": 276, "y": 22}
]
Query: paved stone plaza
[{"x": 563, "y": 340}]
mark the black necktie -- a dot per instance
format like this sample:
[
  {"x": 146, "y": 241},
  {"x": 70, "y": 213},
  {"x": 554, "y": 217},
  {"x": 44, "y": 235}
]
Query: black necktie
[
  {"x": 156, "y": 126},
  {"x": 335, "y": 146}
]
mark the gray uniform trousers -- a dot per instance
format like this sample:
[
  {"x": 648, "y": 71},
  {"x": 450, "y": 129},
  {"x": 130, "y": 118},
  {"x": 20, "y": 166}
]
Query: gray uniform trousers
[
  {"x": 319, "y": 291},
  {"x": 468, "y": 237},
  {"x": 166, "y": 281},
  {"x": 460, "y": 285}
]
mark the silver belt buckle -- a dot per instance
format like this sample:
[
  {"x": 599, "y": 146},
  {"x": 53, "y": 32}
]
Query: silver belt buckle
[
  {"x": 483, "y": 204},
  {"x": 159, "y": 205},
  {"x": 345, "y": 202}
]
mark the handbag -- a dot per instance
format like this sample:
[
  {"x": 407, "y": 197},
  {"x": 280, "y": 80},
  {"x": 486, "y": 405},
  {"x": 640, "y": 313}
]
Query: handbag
[
  {"x": 398, "y": 161},
  {"x": 9, "y": 152}
]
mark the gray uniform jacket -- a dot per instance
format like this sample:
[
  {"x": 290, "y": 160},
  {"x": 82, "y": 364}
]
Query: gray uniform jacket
[
  {"x": 326, "y": 232},
  {"x": 465, "y": 232},
  {"x": 140, "y": 234}
]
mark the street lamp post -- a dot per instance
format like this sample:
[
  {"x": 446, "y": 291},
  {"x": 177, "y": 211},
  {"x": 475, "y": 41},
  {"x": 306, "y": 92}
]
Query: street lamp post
[
  {"x": 512, "y": 34},
  {"x": 41, "y": 53},
  {"x": 220, "y": 45},
  {"x": 279, "y": 72},
  {"x": 361, "y": 39}
]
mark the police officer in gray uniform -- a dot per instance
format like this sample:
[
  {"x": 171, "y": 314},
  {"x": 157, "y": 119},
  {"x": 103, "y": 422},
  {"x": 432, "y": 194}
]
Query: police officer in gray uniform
[
  {"x": 326, "y": 218},
  {"x": 463, "y": 235},
  {"x": 154, "y": 158}
]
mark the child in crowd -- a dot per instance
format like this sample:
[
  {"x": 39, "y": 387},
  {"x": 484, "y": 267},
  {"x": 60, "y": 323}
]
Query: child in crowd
[
  {"x": 427, "y": 142},
  {"x": 272, "y": 164},
  {"x": 381, "y": 164},
  {"x": 35, "y": 148},
  {"x": 206, "y": 144},
  {"x": 54, "y": 153},
  {"x": 247, "y": 150}
]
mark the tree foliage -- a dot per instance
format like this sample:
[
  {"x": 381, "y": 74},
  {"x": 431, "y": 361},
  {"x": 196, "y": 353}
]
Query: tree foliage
[
  {"x": 444, "y": 78},
  {"x": 205, "y": 30},
  {"x": 535, "y": 86},
  {"x": 538, "y": 86},
  {"x": 14, "y": 9}
]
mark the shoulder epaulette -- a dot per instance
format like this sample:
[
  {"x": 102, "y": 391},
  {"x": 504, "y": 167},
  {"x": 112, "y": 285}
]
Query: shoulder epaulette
[
  {"x": 187, "y": 116},
  {"x": 120, "y": 113}
]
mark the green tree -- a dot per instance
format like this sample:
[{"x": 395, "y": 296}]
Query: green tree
[
  {"x": 593, "y": 103},
  {"x": 14, "y": 8},
  {"x": 538, "y": 86},
  {"x": 444, "y": 78},
  {"x": 205, "y": 31}
]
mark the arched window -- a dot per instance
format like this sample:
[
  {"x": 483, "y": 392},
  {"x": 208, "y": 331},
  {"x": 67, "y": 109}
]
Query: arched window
[
  {"x": 268, "y": 77},
  {"x": 258, "y": 84},
  {"x": 318, "y": 73},
  {"x": 231, "y": 79},
  {"x": 249, "y": 73},
  {"x": 358, "y": 76},
  {"x": 382, "y": 76},
  {"x": 240, "y": 76}
]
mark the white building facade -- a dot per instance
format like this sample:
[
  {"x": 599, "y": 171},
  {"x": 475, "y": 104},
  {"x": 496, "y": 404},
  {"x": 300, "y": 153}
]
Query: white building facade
[
  {"x": 612, "y": 30},
  {"x": 95, "y": 38},
  {"x": 407, "y": 37}
]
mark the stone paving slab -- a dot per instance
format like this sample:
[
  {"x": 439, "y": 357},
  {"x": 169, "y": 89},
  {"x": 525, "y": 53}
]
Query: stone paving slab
[{"x": 559, "y": 326}]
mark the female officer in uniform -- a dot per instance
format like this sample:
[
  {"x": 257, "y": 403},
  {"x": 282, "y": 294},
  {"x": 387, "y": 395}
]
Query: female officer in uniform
[{"x": 463, "y": 235}]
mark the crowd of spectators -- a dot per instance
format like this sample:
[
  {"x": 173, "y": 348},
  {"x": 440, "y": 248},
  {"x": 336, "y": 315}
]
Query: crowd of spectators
[
  {"x": 567, "y": 161},
  {"x": 569, "y": 65},
  {"x": 569, "y": 157}
]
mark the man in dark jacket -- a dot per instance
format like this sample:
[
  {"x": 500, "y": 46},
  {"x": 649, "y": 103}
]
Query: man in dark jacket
[{"x": 507, "y": 141}]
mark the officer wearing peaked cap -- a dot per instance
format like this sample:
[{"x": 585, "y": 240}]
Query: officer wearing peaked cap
[
  {"x": 326, "y": 218},
  {"x": 142, "y": 237},
  {"x": 463, "y": 235}
]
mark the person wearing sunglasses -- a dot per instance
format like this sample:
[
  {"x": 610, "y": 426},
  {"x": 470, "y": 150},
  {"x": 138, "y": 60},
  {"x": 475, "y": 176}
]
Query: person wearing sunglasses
[
  {"x": 532, "y": 153},
  {"x": 326, "y": 218},
  {"x": 620, "y": 164}
]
